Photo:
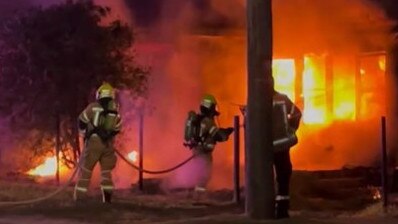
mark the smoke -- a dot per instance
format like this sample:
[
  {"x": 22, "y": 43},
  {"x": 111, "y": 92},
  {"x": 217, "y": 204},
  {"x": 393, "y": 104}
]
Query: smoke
[
  {"x": 188, "y": 58},
  {"x": 316, "y": 26},
  {"x": 175, "y": 85},
  {"x": 319, "y": 26},
  {"x": 186, "y": 63},
  {"x": 300, "y": 27}
]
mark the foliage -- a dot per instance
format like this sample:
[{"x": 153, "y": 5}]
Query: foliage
[{"x": 52, "y": 59}]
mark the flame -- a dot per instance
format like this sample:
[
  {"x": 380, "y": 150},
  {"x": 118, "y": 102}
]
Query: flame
[
  {"x": 344, "y": 90},
  {"x": 284, "y": 76},
  {"x": 197, "y": 63},
  {"x": 133, "y": 156},
  {"x": 382, "y": 63},
  {"x": 327, "y": 99},
  {"x": 314, "y": 92},
  {"x": 47, "y": 168}
]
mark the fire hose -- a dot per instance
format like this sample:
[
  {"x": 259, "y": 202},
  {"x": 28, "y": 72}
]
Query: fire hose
[
  {"x": 31, "y": 201},
  {"x": 64, "y": 186},
  {"x": 154, "y": 172}
]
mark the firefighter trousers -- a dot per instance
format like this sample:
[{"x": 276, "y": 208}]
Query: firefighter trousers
[
  {"x": 283, "y": 171},
  {"x": 204, "y": 165},
  {"x": 96, "y": 150}
]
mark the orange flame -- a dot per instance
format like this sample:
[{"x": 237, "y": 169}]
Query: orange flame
[
  {"x": 284, "y": 75},
  {"x": 328, "y": 99},
  {"x": 47, "y": 168}
]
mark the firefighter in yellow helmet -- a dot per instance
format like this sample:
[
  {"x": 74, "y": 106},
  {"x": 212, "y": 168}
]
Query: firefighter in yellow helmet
[
  {"x": 99, "y": 122},
  {"x": 202, "y": 135}
]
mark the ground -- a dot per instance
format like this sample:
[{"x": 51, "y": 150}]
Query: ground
[
  {"x": 130, "y": 207},
  {"x": 316, "y": 198}
]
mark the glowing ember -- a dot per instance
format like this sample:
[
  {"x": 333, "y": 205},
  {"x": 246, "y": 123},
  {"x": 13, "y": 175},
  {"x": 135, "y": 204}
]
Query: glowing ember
[
  {"x": 376, "y": 193},
  {"x": 133, "y": 156},
  {"x": 48, "y": 168}
]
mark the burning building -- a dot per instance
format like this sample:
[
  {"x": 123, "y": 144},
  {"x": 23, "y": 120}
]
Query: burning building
[{"x": 329, "y": 58}]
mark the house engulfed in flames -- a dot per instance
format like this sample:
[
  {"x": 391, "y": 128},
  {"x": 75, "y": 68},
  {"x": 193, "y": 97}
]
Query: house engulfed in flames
[{"x": 329, "y": 58}]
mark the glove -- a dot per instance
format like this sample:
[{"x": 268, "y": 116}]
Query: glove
[
  {"x": 229, "y": 130},
  {"x": 223, "y": 134}
]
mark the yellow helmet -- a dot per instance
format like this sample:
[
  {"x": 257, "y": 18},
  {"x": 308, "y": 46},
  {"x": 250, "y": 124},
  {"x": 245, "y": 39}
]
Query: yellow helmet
[
  {"x": 105, "y": 90},
  {"x": 209, "y": 101}
]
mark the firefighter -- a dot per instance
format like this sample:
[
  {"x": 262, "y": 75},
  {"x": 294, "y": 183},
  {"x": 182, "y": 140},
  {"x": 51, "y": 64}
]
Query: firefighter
[
  {"x": 205, "y": 139},
  {"x": 99, "y": 122},
  {"x": 291, "y": 116}
]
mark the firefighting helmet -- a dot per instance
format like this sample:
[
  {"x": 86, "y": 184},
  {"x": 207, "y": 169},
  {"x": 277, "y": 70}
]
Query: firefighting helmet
[
  {"x": 208, "y": 101},
  {"x": 209, "y": 105},
  {"x": 105, "y": 91}
]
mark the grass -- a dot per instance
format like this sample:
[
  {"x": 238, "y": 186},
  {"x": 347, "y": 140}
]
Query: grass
[{"x": 312, "y": 202}]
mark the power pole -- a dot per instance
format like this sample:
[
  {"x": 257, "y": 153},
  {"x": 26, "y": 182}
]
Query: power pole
[
  {"x": 57, "y": 145},
  {"x": 260, "y": 193}
]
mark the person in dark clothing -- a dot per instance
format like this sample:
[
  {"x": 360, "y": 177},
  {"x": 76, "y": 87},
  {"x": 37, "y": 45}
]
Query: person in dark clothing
[{"x": 286, "y": 117}]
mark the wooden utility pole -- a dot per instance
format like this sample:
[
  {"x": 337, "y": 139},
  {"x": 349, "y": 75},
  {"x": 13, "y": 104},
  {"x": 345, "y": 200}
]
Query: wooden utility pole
[
  {"x": 141, "y": 151},
  {"x": 260, "y": 193},
  {"x": 57, "y": 145},
  {"x": 384, "y": 165},
  {"x": 236, "y": 160},
  {"x": 391, "y": 82},
  {"x": 1, "y": 159}
]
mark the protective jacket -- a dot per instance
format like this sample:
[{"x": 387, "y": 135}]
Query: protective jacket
[
  {"x": 286, "y": 117},
  {"x": 99, "y": 122}
]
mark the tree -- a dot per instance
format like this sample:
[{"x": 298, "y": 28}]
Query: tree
[
  {"x": 51, "y": 61},
  {"x": 259, "y": 149}
]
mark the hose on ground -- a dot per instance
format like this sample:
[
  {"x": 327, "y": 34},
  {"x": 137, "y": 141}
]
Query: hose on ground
[
  {"x": 151, "y": 171},
  {"x": 48, "y": 196}
]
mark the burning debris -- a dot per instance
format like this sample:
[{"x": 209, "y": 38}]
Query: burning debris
[
  {"x": 48, "y": 168},
  {"x": 376, "y": 192}
]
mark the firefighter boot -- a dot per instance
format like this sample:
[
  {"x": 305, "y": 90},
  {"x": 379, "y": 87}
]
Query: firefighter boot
[
  {"x": 106, "y": 196},
  {"x": 199, "y": 193},
  {"x": 80, "y": 197},
  {"x": 282, "y": 209}
]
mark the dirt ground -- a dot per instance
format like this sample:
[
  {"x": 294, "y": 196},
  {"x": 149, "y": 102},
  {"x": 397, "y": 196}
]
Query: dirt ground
[
  {"x": 178, "y": 207},
  {"x": 175, "y": 208},
  {"x": 133, "y": 217}
]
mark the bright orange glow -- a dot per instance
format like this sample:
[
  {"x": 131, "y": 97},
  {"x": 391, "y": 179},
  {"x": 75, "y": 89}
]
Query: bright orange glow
[
  {"x": 341, "y": 89},
  {"x": 47, "y": 168},
  {"x": 314, "y": 91},
  {"x": 372, "y": 98},
  {"x": 382, "y": 63},
  {"x": 133, "y": 156},
  {"x": 283, "y": 71},
  {"x": 344, "y": 95}
]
